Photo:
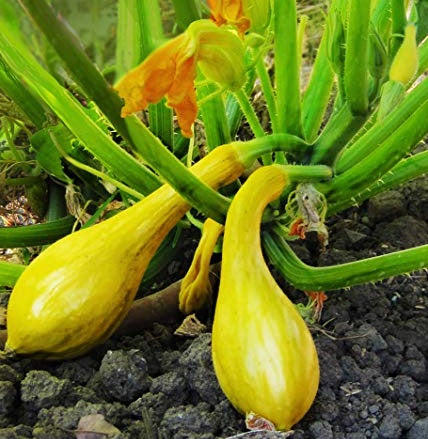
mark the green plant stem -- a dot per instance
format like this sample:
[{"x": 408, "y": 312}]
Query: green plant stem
[
  {"x": 307, "y": 278},
  {"x": 186, "y": 11},
  {"x": 35, "y": 234},
  {"x": 74, "y": 117},
  {"x": 399, "y": 20},
  {"x": 67, "y": 46},
  {"x": 16, "y": 91},
  {"x": 423, "y": 57},
  {"x": 371, "y": 168},
  {"x": 233, "y": 109},
  {"x": 249, "y": 113},
  {"x": 101, "y": 175},
  {"x": 85, "y": 73},
  {"x": 341, "y": 127},
  {"x": 357, "y": 48},
  {"x": 139, "y": 31},
  {"x": 381, "y": 19},
  {"x": 287, "y": 63},
  {"x": 404, "y": 171},
  {"x": 21, "y": 181},
  {"x": 268, "y": 93},
  {"x": 214, "y": 116},
  {"x": 57, "y": 207},
  {"x": 148, "y": 25},
  {"x": 249, "y": 151},
  {"x": 378, "y": 133},
  {"x": 9, "y": 273},
  {"x": 317, "y": 94}
]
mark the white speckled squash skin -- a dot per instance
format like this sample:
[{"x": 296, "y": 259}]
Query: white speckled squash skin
[
  {"x": 263, "y": 353},
  {"x": 77, "y": 292}
]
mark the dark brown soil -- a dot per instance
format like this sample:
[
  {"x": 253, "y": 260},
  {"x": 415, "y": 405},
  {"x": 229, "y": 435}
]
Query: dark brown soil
[{"x": 371, "y": 340}]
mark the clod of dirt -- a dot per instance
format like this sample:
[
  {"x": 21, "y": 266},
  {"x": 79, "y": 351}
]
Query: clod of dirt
[
  {"x": 40, "y": 389},
  {"x": 382, "y": 207},
  {"x": 122, "y": 376}
]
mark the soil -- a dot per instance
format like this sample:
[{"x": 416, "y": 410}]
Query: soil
[{"x": 371, "y": 340}]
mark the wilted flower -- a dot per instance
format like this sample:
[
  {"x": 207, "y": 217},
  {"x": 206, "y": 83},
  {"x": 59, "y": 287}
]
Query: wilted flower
[{"x": 170, "y": 71}]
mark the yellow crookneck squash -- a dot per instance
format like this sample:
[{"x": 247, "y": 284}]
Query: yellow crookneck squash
[
  {"x": 75, "y": 293},
  {"x": 263, "y": 353}
]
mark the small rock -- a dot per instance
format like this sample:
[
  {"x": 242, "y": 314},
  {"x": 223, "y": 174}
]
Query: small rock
[
  {"x": 123, "y": 375},
  {"x": 171, "y": 384},
  {"x": 419, "y": 429},
  {"x": 321, "y": 430},
  {"x": 198, "y": 370},
  {"x": 188, "y": 419},
  {"x": 390, "y": 428}
]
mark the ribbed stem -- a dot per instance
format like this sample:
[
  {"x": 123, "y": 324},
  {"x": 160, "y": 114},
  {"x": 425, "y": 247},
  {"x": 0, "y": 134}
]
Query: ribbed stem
[
  {"x": 380, "y": 132},
  {"x": 249, "y": 113},
  {"x": 356, "y": 58},
  {"x": 214, "y": 116},
  {"x": 404, "y": 171},
  {"x": 307, "y": 278},
  {"x": 372, "y": 167},
  {"x": 287, "y": 61},
  {"x": 268, "y": 93},
  {"x": 317, "y": 94},
  {"x": 35, "y": 234},
  {"x": 9, "y": 273}
]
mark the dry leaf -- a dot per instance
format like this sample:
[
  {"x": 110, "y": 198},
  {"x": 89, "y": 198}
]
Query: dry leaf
[{"x": 95, "y": 427}]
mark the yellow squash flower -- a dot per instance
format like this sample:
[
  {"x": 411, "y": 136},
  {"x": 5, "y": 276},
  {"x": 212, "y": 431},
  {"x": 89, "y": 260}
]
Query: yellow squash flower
[
  {"x": 170, "y": 71},
  {"x": 244, "y": 14}
]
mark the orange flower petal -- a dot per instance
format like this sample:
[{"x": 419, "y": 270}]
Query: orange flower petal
[
  {"x": 152, "y": 79},
  {"x": 230, "y": 12},
  {"x": 182, "y": 97}
]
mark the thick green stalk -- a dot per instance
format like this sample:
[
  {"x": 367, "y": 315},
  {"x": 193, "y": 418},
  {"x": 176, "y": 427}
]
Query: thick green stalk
[
  {"x": 399, "y": 21},
  {"x": 139, "y": 31},
  {"x": 404, "y": 171},
  {"x": 371, "y": 168},
  {"x": 268, "y": 93},
  {"x": 73, "y": 115},
  {"x": 233, "y": 109},
  {"x": 57, "y": 206},
  {"x": 423, "y": 57},
  {"x": 35, "y": 234},
  {"x": 148, "y": 25},
  {"x": 9, "y": 273},
  {"x": 381, "y": 18},
  {"x": 22, "y": 181},
  {"x": 249, "y": 113},
  {"x": 341, "y": 127},
  {"x": 307, "y": 278},
  {"x": 214, "y": 116},
  {"x": 287, "y": 143},
  {"x": 287, "y": 74},
  {"x": 378, "y": 133},
  {"x": 317, "y": 93},
  {"x": 186, "y": 11},
  {"x": 356, "y": 77}
]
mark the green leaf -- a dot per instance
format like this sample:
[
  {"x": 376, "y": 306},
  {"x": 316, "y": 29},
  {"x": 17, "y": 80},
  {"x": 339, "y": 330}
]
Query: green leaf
[{"x": 47, "y": 154}]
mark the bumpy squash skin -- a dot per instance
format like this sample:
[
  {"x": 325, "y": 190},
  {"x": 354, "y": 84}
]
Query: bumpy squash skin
[
  {"x": 263, "y": 353},
  {"x": 75, "y": 294}
]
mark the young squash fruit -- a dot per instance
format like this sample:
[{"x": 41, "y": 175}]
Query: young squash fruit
[
  {"x": 75, "y": 294},
  {"x": 263, "y": 353}
]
